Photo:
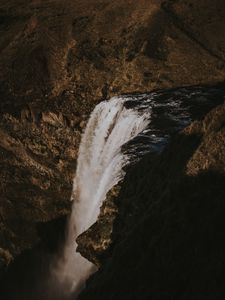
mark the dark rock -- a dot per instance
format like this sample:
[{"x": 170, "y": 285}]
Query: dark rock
[
  {"x": 94, "y": 243},
  {"x": 169, "y": 232},
  {"x": 63, "y": 58}
]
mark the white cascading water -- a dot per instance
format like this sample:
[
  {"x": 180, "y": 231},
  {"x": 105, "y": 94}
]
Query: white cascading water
[{"x": 99, "y": 168}]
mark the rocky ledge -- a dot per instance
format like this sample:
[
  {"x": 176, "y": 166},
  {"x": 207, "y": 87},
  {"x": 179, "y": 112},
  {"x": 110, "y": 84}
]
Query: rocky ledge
[
  {"x": 168, "y": 236},
  {"x": 57, "y": 60}
]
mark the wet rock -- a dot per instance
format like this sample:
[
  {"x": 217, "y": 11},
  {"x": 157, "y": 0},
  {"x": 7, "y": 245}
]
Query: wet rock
[
  {"x": 169, "y": 230},
  {"x": 94, "y": 243},
  {"x": 56, "y": 66}
]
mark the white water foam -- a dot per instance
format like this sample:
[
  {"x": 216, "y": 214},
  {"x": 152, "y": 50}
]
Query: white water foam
[{"x": 99, "y": 167}]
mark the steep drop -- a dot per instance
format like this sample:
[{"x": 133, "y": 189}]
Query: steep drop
[
  {"x": 99, "y": 168},
  {"x": 119, "y": 132},
  {"x": 161, "y": 113}
]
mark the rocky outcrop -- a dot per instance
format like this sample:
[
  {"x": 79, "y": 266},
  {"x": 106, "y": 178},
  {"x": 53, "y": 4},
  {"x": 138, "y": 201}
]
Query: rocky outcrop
[
  {"x": 94, "y": 243},
  {"x": 57, "y": 60},
  {"x": 171, "y": 111},
  {"x": 169, "y": 231}
]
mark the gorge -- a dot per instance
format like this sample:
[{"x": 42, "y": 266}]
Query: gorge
[
  {"x": 130, "y": 96},
  {"x": 121, "y": 134},
  {"x": 99, "y": 168}
]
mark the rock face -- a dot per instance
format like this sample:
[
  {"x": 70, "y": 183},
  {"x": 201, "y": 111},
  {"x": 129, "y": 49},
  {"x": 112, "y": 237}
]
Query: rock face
[
  {"x": 171, "y": 111},
  {"x": 95, "y": 243},
  {"x": 57, "y": 60},
  {"x": 169, "y": 231}
]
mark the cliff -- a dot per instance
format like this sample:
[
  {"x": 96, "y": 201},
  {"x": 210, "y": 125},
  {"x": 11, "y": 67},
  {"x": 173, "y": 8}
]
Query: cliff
[
  {"x": 169, "y": 232},
  {"x": 57, "y": 61}
]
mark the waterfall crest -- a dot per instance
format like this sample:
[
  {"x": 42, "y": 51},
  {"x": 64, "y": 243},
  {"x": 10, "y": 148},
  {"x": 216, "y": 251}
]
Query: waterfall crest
[
  {"x": 99, "y": 167},
  {"x": 120, "y": 132}
]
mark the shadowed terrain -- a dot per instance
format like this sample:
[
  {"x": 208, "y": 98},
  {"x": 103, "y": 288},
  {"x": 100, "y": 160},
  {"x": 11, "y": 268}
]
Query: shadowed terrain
[
  {"x": 58, "y": 59},
  {"x": 169, "y": 233}
]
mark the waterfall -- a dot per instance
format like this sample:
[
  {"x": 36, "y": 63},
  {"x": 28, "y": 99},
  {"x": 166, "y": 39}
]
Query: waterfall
[
  {"x": 119, "y": 132},
  {"x": 99, "y": 167}
]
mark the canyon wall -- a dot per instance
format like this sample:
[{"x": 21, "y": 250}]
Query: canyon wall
[
  {"x": 57, "y": 61},
  {"x": 169, "y": 231}
]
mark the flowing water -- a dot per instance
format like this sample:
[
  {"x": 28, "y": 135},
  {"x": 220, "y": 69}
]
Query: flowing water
[
  {"x": 119, "y": 132},
  {"x": 99, "y": 167}
]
